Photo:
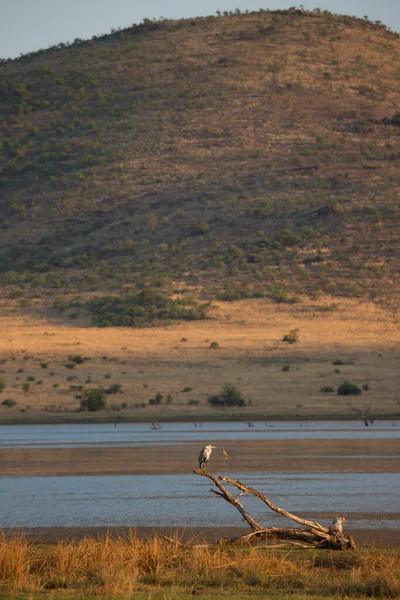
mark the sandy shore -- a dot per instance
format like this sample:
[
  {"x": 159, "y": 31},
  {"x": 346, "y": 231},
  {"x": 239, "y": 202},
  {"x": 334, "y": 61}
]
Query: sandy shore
[{"x": 370, "y": 456}]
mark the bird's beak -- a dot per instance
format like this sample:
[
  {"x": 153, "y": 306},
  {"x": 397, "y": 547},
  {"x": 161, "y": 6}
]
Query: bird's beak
[{"x": 213, "y": 446}]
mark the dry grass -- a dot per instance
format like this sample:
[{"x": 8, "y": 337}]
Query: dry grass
[
  {"x": 168, "y": 360},
  {"x": 122, "y": 566}
]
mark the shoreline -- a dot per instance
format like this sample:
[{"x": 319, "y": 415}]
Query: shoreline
[
  {"x": 56, "y": 419},
  {"x": 53, "y": 535}
]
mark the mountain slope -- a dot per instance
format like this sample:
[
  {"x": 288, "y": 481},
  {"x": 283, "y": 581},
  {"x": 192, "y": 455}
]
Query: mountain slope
[{"x": 249, "y": 153}]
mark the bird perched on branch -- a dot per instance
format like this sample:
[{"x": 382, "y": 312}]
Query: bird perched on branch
[
  {"x": 336, "y": 527},
  {"x": 205, "y": 454}
]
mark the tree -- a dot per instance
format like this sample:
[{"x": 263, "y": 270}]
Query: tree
[{"x": 93, "y": 399}]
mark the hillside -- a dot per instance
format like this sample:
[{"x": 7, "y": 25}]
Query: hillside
[{"x": 244, "y": 154}]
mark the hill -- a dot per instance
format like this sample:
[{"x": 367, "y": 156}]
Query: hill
[{"x": 247, "y": 154}]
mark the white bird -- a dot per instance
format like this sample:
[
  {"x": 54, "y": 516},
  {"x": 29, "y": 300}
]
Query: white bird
[
  {"x": 205, "y": 454},
  {"x": 336, "y": 527}
]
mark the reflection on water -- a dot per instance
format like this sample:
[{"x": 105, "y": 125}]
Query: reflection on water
[
  {"x": 185, "y": 500},
  {"x": 140, "y": 434}
]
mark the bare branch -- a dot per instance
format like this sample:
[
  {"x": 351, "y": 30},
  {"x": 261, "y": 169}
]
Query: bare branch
[
  {"x": 231, "y": 499},
  {"x": 312, "y": 524},
  {"x": 312, "y": 534}
]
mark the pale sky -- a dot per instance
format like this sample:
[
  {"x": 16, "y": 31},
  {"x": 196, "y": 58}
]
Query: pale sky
[{"x": 28, "y": 25}]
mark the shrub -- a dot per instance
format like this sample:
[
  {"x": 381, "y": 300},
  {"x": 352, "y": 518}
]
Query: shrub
[
  {"x": 148, "y": 307},
  {"x": 9, "y": 402},
  {"x": 93, "y": 399},
  {"x": 327, "y": 389},
  {"x": 286, "y": 368},
  {"x": 292, "y": 337},
  {"x": 115, "y": 388},
  {"x": 193, "y": 402},
  {"x": 199, "y": 228},
  {"x": 157, "y": 399},
  {"x": 348, "y": 389},
  {"x": 2, "y": 385},
  {"x": 214, "y": 345},
  {"x": 230, "y": 396}
]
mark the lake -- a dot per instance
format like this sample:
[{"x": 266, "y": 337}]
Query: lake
[{"x": 369, "y": 500}]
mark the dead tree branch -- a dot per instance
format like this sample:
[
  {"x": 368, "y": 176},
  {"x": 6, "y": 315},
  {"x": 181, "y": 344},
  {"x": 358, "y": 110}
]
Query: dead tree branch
[{"x": 310, "y": 535}]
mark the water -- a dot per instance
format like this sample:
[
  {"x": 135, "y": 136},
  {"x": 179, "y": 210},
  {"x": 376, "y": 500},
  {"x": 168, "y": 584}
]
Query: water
[
  {"x": 185, "y": 500},
  {"x": 140, "y": 434}
]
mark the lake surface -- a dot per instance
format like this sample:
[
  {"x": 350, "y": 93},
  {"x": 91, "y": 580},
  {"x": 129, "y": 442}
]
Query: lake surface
[
  {"x": 141, "y": 434},
  {"x": 186, "y": 500},
  {"x": 369, "y": 500}
]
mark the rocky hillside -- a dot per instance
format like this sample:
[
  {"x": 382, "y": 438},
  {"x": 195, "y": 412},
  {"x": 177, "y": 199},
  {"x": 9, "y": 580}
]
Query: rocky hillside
[{"x": 245, "y": 154}]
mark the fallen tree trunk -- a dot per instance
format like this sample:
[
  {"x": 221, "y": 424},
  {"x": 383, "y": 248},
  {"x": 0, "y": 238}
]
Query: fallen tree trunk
[{"x": 310, "y": 535}]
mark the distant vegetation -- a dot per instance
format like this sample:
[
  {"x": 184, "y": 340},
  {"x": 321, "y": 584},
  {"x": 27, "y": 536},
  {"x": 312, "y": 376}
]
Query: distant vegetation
[
  {"x": 349, "y": 389},
  {"x": 147, "y": 307},
  {"x": 93, "y": 399},
  {"x": 230, "y": 396},
  {"x": 166, "y": 153}
]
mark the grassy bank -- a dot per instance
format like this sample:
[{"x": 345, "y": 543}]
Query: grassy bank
[{"x": 123, "y": 566}]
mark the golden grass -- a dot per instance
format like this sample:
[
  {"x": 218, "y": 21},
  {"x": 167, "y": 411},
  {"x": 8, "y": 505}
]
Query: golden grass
[
  {"x": 250, "y": 355},
  {"x": 122, "y": 566}
]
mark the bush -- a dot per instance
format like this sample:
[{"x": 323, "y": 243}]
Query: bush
[
  {"x": 9, "y": 402},
  {"x": 148, "y": 307},
  {"x": 76, "y": 358},
  {"x": 327, "y": 389},
  {"x": 348, "y": 389},
  {"x": 93, "y": 399},
  {"x": 230, "y": 396},
  {"x": 115, "y": 388},
  {"x": 157, "y": 399},
  {"x": 193, "y": 402},
  {"x": 2, "y": 385},
  {"x": 292, "y": 337}
]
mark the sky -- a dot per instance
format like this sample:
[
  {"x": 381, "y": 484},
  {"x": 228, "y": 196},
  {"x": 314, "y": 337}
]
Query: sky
[{"x": 29, "y": 25}]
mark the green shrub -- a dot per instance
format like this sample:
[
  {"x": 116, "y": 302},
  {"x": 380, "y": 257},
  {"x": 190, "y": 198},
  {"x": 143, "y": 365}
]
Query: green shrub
[
  {"x": 76, "y": 358},
  {"x": 292, "y": 337},
  {"x": 230, "y": 396},
  {"x": 148, "y": 307},
  {"x": 193, "y": 402},
  {"x": 9, "y": 402},
  {"x": 2, "y": 385},
  {"x": 348, "y": 389},
  {"x": 115, "y": 388},
  {"x": 157, "y": 399},
  {"x": 285, "y": 368},
  {"x": 93, "y": 399},
  {"x": 199, "y": 228}
]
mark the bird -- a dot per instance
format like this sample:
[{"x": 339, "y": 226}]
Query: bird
[
  {"x": 205, "y": 454},
  {"x": 336, "y": 527}
]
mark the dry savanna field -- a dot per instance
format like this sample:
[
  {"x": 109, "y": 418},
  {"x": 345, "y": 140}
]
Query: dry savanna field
[{"x": 241, "y": 344}]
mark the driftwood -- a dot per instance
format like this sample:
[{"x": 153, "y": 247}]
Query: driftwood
[{"x": 310, "y": 535}]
